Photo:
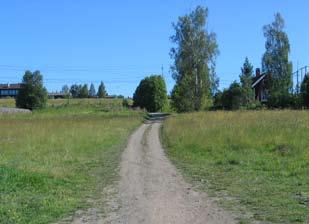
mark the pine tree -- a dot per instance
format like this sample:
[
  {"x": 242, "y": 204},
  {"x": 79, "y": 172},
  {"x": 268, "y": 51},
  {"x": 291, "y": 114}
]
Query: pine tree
[
  {"x": 92, "y": 92},
  {"x": 101, "y": 90},
  {"x": 246, "y": 78}
]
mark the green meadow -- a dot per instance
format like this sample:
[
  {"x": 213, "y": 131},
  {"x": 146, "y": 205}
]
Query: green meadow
[
  {"x": 255, "y": 162},
  {"x": 57, "y": 160}
]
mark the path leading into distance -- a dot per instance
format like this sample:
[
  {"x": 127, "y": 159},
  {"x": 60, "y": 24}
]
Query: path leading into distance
[{"x": 151, "y": 190}]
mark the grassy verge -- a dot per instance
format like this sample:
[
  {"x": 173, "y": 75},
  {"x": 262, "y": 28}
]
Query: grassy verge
[
  {"x": 55, "y": 161},
  {"x": 254, "y": 161}
]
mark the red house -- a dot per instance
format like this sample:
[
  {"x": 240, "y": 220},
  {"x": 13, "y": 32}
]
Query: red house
[{"x": 260, "y": 85}]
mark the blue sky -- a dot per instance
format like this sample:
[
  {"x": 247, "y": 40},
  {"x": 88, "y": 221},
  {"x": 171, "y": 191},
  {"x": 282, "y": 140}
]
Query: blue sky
[{"x": 120, "y": 42}]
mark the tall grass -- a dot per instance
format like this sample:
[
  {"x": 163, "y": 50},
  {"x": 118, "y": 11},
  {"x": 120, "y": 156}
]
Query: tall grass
[
  {"x": 54, "y": 161},
  {"x": 257, "y": 161}
]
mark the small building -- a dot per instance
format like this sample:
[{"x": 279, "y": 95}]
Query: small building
[
  {"x": 9, "y": 90},
  {"x": 260, "y": 86},
  {"x": 57, "y": 95}
]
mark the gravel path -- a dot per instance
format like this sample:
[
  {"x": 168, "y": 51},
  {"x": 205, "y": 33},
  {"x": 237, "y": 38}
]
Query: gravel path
[{"x": 151, "y": 191}]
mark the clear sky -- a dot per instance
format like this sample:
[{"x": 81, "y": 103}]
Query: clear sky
[{"x": 122, "y": 41}]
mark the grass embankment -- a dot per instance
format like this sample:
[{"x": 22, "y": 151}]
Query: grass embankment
[
  {"x": 104, "y": 103},
  {"x": 7, "y": 102},
  {"x": 253, "y": 161},
  {"x": 57, "y": 160}
]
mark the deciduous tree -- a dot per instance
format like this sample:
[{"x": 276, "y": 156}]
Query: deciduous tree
[
  {"x": 194, "y": 62},
  {"x": 33, "y": 94},
  {"x": 276, "y": 59}
]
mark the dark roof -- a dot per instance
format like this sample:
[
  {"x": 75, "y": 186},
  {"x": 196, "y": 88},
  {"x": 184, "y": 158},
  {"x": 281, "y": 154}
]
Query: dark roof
[
  {"x": 11, "y": 86},
  {"x": 257, "y": 79}
]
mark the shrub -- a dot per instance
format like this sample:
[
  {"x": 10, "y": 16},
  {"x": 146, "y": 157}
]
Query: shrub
[
  {"x": 280, "y": 100},
  {"x": 233, "y": 97},
  {"x": 33, "y": 95},
  {"x": 151, "y": 94}
]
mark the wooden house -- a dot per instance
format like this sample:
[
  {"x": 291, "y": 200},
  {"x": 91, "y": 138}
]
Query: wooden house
[
  {"x": 260, "y": 86},
  {"x": 9, "y": 90}
]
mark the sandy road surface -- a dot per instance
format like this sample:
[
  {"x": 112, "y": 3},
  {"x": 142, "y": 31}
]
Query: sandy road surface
[{"x": 151, "y": 191}]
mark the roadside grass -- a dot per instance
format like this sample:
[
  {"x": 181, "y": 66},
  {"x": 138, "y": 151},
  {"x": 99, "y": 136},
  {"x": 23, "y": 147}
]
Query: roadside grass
[
  {"x": 58, "y": 160},
  {"x": 255, "y": 162}
]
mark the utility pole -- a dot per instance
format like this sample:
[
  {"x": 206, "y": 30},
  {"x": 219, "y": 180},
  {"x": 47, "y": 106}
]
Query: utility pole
[
  {"x": 162, "y": 71},
  {"x": 297, "y": 86}
]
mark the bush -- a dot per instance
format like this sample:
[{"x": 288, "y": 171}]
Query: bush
[
  {"x": 32, "y": 95},
  {"x": 279, "y": 100},
  {"x": 233, "y": 97},
  {"x": 151, "y": 94}
]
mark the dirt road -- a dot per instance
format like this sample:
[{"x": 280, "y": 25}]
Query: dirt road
[{"x": 151, "y": 191}]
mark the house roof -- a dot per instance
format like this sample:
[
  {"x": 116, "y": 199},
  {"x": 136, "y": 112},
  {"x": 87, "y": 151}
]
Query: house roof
[
  {"x": 11, "y": 86},
  {"x": 258, "y": 79}
]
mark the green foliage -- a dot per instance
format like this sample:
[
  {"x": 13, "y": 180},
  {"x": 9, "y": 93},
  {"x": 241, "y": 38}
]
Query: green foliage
[
  {"x": 233, "y": 97},
  {"x": 304, "y": 90},
  {"x": 92, "y": 92},
  {"x": 79, "y": 91},
  {"x": 279, "y": 100},
  {"x": 276, "y": 59},
  {"x": 75, "y": 90},
  {"x": 255, "y": 161},
  {"x": 151, "y": 94},
  {"x": 217, "y": 104},
  {"x": 33, "y": 95},
  {"x": 101, "y": 90},
  {"x": 246, "y": 78},
  {"x": 194, "y": 67},
  {"x": 65, "y": 89},
  {"x": 84, "y": 93},
  {"x": 182, "y": 96}
]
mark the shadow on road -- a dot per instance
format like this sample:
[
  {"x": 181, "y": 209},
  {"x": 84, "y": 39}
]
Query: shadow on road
[{"x": 156, "y": 117}]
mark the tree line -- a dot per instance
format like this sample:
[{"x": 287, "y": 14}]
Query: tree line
[
  {"x": 33, "y": 94},
  {"x": 194, "y": 53},
  {"x": 82, "y": 91}
]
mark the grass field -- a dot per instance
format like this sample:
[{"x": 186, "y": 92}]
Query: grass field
[
  {"x": 57, "y": 160},
  {"x": 257, "y": 163},
  {"x": 114, "y": 104}
]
